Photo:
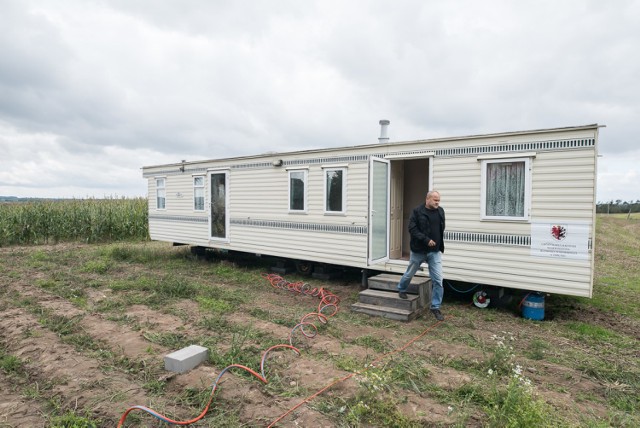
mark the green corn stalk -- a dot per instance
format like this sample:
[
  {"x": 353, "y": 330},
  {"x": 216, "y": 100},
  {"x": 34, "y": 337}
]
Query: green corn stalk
[{"x": 68, "y": 220}]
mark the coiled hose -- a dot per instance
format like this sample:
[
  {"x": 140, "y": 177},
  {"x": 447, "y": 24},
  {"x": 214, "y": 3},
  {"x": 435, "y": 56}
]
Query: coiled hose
[{"x": 327, "y": 307}]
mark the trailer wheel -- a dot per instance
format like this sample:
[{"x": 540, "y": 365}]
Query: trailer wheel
[
  {"x": 481, "y": 299},
  {"x": 304, "y": 268}
]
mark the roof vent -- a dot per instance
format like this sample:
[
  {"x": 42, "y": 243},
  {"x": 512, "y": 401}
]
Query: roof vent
[{"x": 383, "y": 131}]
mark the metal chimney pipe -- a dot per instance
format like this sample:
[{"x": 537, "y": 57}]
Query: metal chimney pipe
[{"x": 383, "y": 131}]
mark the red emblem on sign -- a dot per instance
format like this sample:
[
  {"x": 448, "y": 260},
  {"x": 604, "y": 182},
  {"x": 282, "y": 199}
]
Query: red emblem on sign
[{"x": 558, "y": 232}]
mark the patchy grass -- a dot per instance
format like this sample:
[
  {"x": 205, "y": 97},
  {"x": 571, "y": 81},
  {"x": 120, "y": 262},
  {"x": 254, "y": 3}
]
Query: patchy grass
[{"x": 480, "y": 368}]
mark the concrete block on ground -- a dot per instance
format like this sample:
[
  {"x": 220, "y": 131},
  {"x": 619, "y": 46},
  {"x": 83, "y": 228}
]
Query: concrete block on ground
[
  {"x": 283, "y": 267},
  {"x": 326, "y": 272},
  {"x": 185, "y": 359}
]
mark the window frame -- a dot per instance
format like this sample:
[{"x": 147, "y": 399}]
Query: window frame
[
  {"x": 485, "y": 161},
  {"x": 201, "y": 187},
  {"x": 305, "y": 171},
  {"x": 164, "y": 190},
  {"x": 325, "y": 171}
]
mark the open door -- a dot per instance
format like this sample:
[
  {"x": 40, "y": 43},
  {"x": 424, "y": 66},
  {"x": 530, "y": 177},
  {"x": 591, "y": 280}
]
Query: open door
[
  {"x": 396, "y": 209},
  {"x": 378, "y": 210}
]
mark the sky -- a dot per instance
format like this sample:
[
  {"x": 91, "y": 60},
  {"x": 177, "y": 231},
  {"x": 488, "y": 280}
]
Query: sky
[{"x": 93, "y": 90}]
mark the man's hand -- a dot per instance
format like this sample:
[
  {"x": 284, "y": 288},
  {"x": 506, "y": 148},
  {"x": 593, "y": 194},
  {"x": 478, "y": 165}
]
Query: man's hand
[{"x": 431, "y": 243}]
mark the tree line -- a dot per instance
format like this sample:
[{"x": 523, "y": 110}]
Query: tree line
[{"x": 618, "y": 207}]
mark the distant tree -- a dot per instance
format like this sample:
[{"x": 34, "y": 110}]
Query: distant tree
[{"x": 618, "y": 207}]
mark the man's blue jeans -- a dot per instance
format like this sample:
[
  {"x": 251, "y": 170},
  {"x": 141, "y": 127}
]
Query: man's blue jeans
[{"x": 434, "y": 260}]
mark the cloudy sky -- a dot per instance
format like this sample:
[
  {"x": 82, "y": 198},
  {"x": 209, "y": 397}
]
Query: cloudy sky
[{"x": 91, "y": 91}]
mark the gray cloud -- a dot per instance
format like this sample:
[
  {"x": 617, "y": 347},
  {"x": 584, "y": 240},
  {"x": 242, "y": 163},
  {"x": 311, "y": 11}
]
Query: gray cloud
[{"x": 117, "y": 85}]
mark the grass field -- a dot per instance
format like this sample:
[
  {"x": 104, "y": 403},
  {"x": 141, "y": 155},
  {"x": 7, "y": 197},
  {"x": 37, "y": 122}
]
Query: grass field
[{"x": 85, "y": 328}]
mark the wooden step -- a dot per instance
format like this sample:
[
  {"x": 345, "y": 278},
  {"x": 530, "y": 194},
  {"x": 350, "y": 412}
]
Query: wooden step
[
  {"x": 385, "y": 312},
  {"x": 419, "y": 285},
  {"x": 389, "y": 299},
  {"x": 386, "y": 281}
]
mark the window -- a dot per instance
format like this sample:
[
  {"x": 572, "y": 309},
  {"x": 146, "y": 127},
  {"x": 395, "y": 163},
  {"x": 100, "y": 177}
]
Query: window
[
  {"x": 506, "y": 190},
  {"x": 335, "y": 186},
  {"x": 160, "y": 194},
  {"x": 198, "y": 193},
  {"x": 298, "y": 190}
]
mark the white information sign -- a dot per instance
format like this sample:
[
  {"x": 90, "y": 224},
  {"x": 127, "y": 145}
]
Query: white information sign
[{"x": 560, "y": 240}]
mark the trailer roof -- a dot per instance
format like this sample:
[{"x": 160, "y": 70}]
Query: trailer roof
[{"x": 362, "y": 146}]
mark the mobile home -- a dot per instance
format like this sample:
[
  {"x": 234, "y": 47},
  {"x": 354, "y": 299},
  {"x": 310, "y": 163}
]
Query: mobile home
[{"x": 520, "y": 205}]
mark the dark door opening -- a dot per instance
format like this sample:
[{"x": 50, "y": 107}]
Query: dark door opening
[{"x": 409, "y": 185}]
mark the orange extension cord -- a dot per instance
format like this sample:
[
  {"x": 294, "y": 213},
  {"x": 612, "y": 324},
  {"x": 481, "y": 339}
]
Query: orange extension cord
[{"x": 327, "y": 308}]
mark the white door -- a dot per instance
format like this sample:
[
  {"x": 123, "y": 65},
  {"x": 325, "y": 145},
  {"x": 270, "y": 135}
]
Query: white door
[
  {"x": 218, "y": 205},
  {"x": 378, "y": 210},
  {"x": 396, "y": 209}
]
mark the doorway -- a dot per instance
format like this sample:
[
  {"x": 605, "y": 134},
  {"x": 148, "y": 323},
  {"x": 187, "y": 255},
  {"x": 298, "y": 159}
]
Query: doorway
[{"x": 410, "y": 181}]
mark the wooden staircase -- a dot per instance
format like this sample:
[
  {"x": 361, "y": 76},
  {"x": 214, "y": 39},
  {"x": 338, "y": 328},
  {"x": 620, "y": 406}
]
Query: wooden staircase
[{"x": 381, "y": 298}]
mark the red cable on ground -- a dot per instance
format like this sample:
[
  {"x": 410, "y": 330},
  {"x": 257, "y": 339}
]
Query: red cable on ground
[
  {"x": 327, "y": 307},
  {"x": 168, "y": 420},
  {"x": 328, "y": 303}
]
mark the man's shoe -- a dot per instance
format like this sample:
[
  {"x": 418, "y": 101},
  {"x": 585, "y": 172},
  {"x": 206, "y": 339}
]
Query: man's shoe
[
  {"x": 402, "y": 295},
  {"x": 436, "y": 313}
]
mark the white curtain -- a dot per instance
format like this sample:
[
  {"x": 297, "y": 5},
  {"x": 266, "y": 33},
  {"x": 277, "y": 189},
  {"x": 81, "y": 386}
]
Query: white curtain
[{"x": 505, "y": 189}]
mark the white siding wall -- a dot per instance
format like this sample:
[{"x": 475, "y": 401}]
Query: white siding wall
[
  {"x": 179, "y": 202},
  {"x": 562, "y": 189},
  {"x": 564, "y": 185},
  {"x": 263, "y": 195}
]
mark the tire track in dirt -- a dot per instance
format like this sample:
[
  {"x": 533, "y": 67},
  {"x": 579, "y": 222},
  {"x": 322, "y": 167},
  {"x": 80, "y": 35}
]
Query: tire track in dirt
[
  {"x": 256, "y": 403},
  {"x": 249, "y": 398},
  {"x": 119, "y": 339},
  {"x": 132, "y": 344},
  {"x": 544, "y": 374},
  {"x": 315, "y": 374},
  {"x": 78, "y": 381},
  {"x": 394, "y": 338},
  {"x": 15, "y": 409}
]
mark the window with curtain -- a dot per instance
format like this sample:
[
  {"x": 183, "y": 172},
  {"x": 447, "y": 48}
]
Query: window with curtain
[
  {"x": 198, "y": 193},
  {"x": 297, "y": 190},
  {"x": 160, "y": 194},
  {"x": 505, "y": 189},
  {"x": 335, "y": 190}
]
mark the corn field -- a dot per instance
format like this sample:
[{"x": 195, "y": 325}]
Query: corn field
[{"x": 86, "y": 220}]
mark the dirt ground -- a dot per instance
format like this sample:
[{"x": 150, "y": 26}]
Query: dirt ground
[{"x": 59, "y": 376}]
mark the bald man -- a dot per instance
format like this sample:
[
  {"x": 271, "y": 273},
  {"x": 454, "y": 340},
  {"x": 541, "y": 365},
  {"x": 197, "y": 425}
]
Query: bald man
[{"x": 426, "y": 227}]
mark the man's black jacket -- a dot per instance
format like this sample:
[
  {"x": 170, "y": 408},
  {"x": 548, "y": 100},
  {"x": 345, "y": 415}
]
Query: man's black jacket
[{"x": 420, "y": 230}]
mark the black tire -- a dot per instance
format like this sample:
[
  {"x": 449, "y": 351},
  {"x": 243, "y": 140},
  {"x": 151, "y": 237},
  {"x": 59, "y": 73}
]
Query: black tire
[{"x": 304, "y": 268}]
